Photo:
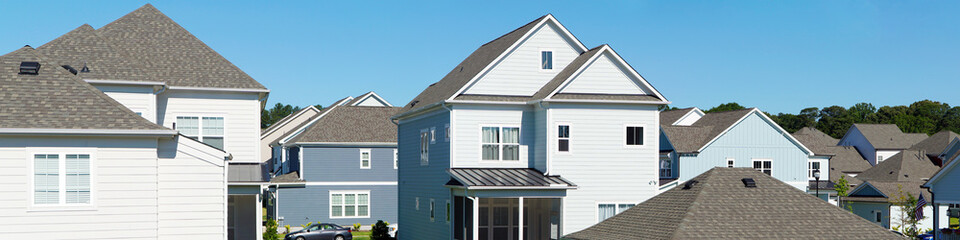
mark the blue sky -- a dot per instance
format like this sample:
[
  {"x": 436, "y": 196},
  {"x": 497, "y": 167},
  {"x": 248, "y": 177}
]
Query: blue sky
[{"x": 781, "y": 56}]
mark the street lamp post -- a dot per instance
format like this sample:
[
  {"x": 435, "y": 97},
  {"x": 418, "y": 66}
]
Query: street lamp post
[{"x": 816, "y": 175}]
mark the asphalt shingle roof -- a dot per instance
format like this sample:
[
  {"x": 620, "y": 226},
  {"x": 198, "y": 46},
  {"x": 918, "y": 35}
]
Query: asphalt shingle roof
[
  {"x": 909, "y": 165},
  {"x": 936, "y": 143},
  {"x": 718, "y": 206},
  {"x": 815, "y": 140},
  {"x": 843, "y": 159},
  {"x": 671, "y": 116},
  {"x": 687, "y": 139},
  {"x": 83, "y": 46},
  {"x": 57, "y": 99},
  {"x": 888, "y": 136},
  {"x": 351, "y": 124}
]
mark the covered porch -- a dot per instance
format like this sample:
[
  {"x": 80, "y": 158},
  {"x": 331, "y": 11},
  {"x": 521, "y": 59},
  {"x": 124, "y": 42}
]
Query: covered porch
[{"x": 506, "y": 204}]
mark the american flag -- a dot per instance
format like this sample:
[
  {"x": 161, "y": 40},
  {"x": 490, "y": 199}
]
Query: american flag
[{"x": 918, "y": 212}]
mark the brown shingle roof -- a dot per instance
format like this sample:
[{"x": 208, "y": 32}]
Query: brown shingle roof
[
  {"x": 718, "y": 206},
  {"x": 687, "y": 139},
  {"x": 817, "y": 141},
  {"x": 936, "y": 143},
  {"x": 83, "y": 46},
  {"x": 352, "y": 124},
  {"x": 888, "y": 136},
  {"x": 909, "y": 165},
  {"x": 57, "y": 99},
  {"x": 671, "y": 116}
]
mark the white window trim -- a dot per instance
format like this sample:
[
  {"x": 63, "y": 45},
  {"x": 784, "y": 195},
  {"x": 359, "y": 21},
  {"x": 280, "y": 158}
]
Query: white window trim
[
  {"x": 424, "y": 158},
  {"x": 660, "y": 167},
  {"x": 433, "y": 210},
  {"x": 446, "y": 132},
  {"x": 553, "y": 60},
  {"x": 623, "y": 136},
  {"x": 616, "y": 209},
  {"x": 556, "y": 137},
  {"x": 433, "y": 135},
  {"x": 396, "y": 158},
  {"x": 343, "y": 216},
  {"x": 62, "y": 205},
  {"x": 810, "y": 171},
  {"x": 761, "y": 164},
  {"x": 731, "y": 162},
  {"x": 369, "y": 158},
  {"x": 200, "y": 117},
  {"x": 500, "y": 142}
]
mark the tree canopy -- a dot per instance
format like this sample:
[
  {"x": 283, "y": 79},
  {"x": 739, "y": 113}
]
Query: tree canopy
[{"x": 279, "y": 111}]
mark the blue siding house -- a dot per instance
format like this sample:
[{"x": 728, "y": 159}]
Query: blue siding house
[
  {"x": 693, "y": 142},
  {"x": 340, "y": 167}
]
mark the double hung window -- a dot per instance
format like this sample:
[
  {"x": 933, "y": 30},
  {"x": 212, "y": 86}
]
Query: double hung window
[
  {"x": 365, "y": 158},
  {"x": 763, "y": 165},
  {"x": 349, "y": 204},
  {"x": 207, "y": 129},
  {"x": 424, "y": 148},
  {"x": 607, "y": 210},
  {"x": 50, "y": 189},
  {"x": 563, "y": 138},
  {"x": 500, "y": 143}
]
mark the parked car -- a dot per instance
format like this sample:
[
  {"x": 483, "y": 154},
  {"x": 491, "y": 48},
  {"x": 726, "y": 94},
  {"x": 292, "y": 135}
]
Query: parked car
[
  {"x": 393, "y": 230},
  {"x": 321, "y": 231},
  {"x": 926, "y": 235}
]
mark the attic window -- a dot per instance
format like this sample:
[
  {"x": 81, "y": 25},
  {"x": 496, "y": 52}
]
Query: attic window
[
  {"x": 546, "y": 59},
  {"x": 31, "y": 68}
]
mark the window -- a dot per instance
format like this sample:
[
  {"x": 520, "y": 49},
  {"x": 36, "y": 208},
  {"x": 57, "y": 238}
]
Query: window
[
  {"x": 607, "y": 210},
  {"x": 365, "y": 158},
  {"x": 634, "y": 136},
  {"x": 416, "y": 203},
  {"x": 813, "y": 165},
  {"x": 396, "y": 159},
  {"x": 432, "y": 210},
  {"x": 446, "y": 132},
  {"x": 433, "y": 135},
  {"x": 563, "y": 138},
  {"x": 879, "y": 216},
  {"x": 448, "y": 211},
  {"x": 730, "y": 162},
  {"x": 349, "y": 204},
  {"x": 546, "y": 59},
  {"x": 424, "y": 148},
  {"x": 763, "y": 165},
  {"x": 497, "y": 140},
  {"x": 48, "y": 188},
  {"x": 666, "y": 168},
  {"x": 879, "y": 158},
  {"x": 208, "y": 130}
]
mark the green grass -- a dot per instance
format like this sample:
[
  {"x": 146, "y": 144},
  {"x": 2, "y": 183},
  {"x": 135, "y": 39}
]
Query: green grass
[{"x": 358, "y": 235}]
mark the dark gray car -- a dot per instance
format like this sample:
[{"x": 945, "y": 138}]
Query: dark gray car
[{"x": 321, "y": 231}]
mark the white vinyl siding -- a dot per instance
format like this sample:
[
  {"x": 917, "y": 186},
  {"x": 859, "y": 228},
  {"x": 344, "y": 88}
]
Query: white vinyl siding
[
  {"x": 240, "y": 111},
  {"x": 365, "y": 159},
  {"x": 604, "y": 76},
  {"x": 136, "y": 98},
  {"x": 500, "y": 143},
  {"x": 192, "y": 190},
  {"x": 208, "y": 130},
  {"x": 350, "y": 204}
]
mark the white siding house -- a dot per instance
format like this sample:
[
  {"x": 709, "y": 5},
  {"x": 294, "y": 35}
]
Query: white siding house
[{"x": 878, "y": 142}]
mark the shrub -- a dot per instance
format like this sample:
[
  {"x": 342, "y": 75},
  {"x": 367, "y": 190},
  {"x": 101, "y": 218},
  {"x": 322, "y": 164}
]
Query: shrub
[
  {"x": 287, "y": 228},
  {"x": 380, "y": 231},
  {"x": 271, "y": 233},
  {"x": 304, "y": 226},
  {"x": 356, "y": 226}
]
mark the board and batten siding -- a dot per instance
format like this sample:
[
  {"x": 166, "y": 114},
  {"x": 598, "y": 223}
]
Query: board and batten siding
[
  {"x": 752, "y": 138},
  {"x": 604, "y": 168},
  {"x": 520, "y": 73},
  {"x": 946, "y": 188},
  {"x": 321, "y": 164},
  {"x": 137, "y": 98},
  {"x": 124, "y": 194},
  {"x": 192, "y": 190},
  {"x": 468, "y": 129},
  {"x": 856, "y": 139},
  {"x": 424, "y": 182},
  {"x": 241, "y": 113},
  {"x": 299, "y": 206},
  {"x": 603, "y": 76}
]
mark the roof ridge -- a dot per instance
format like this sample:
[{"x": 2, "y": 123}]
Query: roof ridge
[
  {"x": 517, "y": 29},
  {"x": 702, "y": 180}
]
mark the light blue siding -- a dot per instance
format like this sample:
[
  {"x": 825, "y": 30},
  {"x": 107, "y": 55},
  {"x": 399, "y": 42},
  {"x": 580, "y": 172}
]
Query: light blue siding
[
  {"x": 312, "y": 204},
  {"x": 946, "y": 188},
  {"x": 867, "y": 210},
  {"x": 423, "y": 182},
  {"x": 343, "y": 164}
]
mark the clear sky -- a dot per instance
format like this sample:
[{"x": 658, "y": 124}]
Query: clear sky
[{"x": 781, "y": 56}]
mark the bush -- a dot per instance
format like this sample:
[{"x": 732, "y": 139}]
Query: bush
[
  {"x": 287, "y": 228},
  {"x": 356, "y": 226},
  {"x": 271, "y": 233},
  {"x": 380, "y": 231}
]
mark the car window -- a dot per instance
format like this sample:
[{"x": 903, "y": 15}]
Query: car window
[{"x": 313, "y": 228}]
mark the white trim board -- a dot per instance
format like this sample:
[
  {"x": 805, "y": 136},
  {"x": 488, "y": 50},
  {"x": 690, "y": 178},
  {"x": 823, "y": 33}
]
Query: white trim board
[
  {"x": 287, "y": 119},
  {"x": 87, "y": 132},
  {"x": 358, "y": 183}
]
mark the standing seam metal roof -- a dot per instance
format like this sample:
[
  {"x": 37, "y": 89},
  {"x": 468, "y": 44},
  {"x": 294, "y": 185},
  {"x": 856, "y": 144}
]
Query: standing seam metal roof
[{"x": 506, "y": 177}]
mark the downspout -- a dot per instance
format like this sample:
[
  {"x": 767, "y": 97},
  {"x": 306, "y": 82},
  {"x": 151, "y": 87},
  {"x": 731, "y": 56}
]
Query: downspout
[
  {"x": 936, "y": 212},
  {"x": 162, "y": 88}
]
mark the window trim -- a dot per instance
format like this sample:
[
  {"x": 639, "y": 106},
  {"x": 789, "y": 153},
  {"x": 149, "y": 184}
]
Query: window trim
[
  {"x": 61, "y": 155},
  {"x": 810, "y": 170},
  {"x": 433, "y": 135},
  {"x": 446, "y": 132},
  {"x": 369, "y": 158},
  {"x": 396, "y": 158},
  {"x": 500, "y": 143},
  {"x": 731, "y": 163},
  {"x": 200, "y": 117},
  {"x": 616, "y": 208},
  {"x": 433, "y": 210},
  {"x": 660, "y": 167},
  {"x": 553, "y": 60},
  {"x": 357, "y": 204},
  {"x": 623, "y": 137},
  {"x": 424, "y": 149},
  {"x": 557, "y": 138},
  {"x": 754, "y": 160}
]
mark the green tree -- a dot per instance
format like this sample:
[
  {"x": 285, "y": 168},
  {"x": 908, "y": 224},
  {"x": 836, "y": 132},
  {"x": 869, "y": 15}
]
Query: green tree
[
  {"x": 271, "y": 232},
  {"x": 279, "y": 111},
  {"x": 725, "y": 107},
  {"x": 842, "y": 187},
  {"x": 666, "y": 108},
  {"x": 380, "y": 231},
  {"x": 860, "y": 111},
  {"x": 906, "y": 221},
  {"x": 834, "y": 121}
]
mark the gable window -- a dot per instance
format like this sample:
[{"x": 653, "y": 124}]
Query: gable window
[
  {"x": 53, "y": 184},
  {"x": 546, "y": 59},
  {"x": 365, "y": 158},
  {"x": 563, "y": 138},
  {"x": 208, "y": 130},
  {"x": 811, "y": 166},
  {"x": 424, "y": 148},
  {"x": 349, "y": 204},
  {"x": 666, "y": 168},
  {"x": 763, "y": 165},
  {"x": 607, "y": 210},
  {"x": 730, "y": 162},
  {"x": 500, "y": 143},
  {"x": 634, "y": 136}
]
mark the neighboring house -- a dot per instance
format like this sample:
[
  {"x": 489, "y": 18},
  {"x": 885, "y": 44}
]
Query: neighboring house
[
  {"x": 534, "y": 126},
  {"x": 842, "y": 160},
  {"x": 878, "y": 142},
  {"x": 734, "y": 203},
  {"x": 874, "y": 199},
  {"x": 692, "y": 143},
  {"x": 945, "y": 188},
  {"x": 344, "y": 164},
  {"x": 150, "y": 64},
  {"x": 282, "y": 128},
  {"x": 78, "y": 162}
]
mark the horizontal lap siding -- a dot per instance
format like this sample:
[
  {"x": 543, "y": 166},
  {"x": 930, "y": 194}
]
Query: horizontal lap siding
[
  {"x": 468, "y": 130},
  {"x": 603, "y": 76},
  {"x": 241, "y": 112},
  {"x": 136, "y": 98},
  {"x": 424, "y": 182},
  {"x": 946, "y": 188},
  {"x": 124, "y": 181},
  {"x": 343, "y": 164},
  {"x": 856, "y": 139},
  {"x": 599, "y": 163},
  {"x": 312, "y": 204},
  {"x": 191, "y": 191}
]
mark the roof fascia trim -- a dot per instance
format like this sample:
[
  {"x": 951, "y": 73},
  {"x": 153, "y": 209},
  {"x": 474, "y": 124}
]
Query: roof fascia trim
[{"x": 87, "y": 132}]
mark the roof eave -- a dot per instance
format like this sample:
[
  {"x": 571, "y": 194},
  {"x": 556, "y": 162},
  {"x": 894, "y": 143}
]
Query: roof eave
[{"x": 88, "y": 132}]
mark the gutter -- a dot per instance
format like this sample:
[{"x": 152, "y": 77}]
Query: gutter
[{"x": 87, "y": 132}]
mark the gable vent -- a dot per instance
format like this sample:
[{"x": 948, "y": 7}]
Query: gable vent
[
  {"x": 748, "y": 182},
  {"x": 690, "y": 184},
  {"x": 32, "y": 68},
  {"x": 69, "y": 68}
]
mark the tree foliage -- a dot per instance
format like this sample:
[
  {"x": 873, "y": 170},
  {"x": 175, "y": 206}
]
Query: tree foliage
[
  {"x": 380, "y": 231},
  {"x": 843, "y": 190},
  {"x": 906, "y": 220},
  {"x": 725, "y": 107},
  {"x": 270, "y": 116}
]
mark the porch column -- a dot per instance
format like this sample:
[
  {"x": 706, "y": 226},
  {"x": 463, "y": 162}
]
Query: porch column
[
  {"x": 520, "y": 222},
  {"x": 476, "y": 217},
  {"x": 259, "y": 209}
]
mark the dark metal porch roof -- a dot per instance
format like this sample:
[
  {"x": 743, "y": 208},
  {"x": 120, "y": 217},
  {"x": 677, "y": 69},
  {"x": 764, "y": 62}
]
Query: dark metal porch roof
[{"x": 506, "y": 178}]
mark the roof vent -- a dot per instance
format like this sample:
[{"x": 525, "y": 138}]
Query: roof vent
[
  {"x": 748, "y": 182},
  {"x": 690, "y": 184},
  {"x": 84, "y": 69},
  {"x": 414, "y": 103},
  {"x": 69, "y": 68},
  {"x": 31, "y": 68}
]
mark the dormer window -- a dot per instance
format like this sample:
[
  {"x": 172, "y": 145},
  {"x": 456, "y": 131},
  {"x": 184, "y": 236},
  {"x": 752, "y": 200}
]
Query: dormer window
[{"x": 546, "y": 60}]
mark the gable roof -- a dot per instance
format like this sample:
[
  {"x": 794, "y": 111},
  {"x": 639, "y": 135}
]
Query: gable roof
[
  {"x": 817, "y": 141},
  {"x": 351, "y": 124},
  {"x": 171, "y": 53},
  {"x": 888, "y": 136},
  {"x": 366, "y": 96},
  {"x": 57, "y": 99},
  {"x": 288, "y": 118},
  {"x": 84, "y": 47},
  {"x": 908, "y": 165},
  {"x": 890, "y": 190},
  {"x": 846, "y": 159},
  {"x": 693, "y": 138},
  {"x": 950, "y": 165},
  {"x": 671, "y": 116},
  {"x": 551, "y": 88},
  {"x": 718, "y": 206},
  {"x": 936, "y": 143}
]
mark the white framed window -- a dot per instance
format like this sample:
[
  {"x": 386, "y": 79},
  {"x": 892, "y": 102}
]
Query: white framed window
[
  {"x": 433, "y": 210},
  {"x": 396, "y": 159},
  {"x": 546, "y": 60},
  {"x": 349, "y": 204},
  {"x": 607, "y": 210},
  {"x": 446, "y": 132},
  {"x": 730, "y": 162},
  {"x": 878, "y": 216},
  {"x": 563, "y": 137},
  {"x": 500, "y": 143},
  {"x": 814, "y": 165},
  {"x": 763, "y": 165},
  {"x": 433, "y": 135},
  {"x": 633, "y": 135},
  {"x": 365, "y": 159},
  {"x": 206, "y": 129},
  {"x": 424, "y": 147},
  {"x": 879, "y": 158},
  {"x": 666, "y": 168},
  {"x": 61, "y": 178}
]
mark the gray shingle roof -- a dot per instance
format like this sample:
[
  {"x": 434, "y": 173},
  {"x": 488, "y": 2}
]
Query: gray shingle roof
[
  {"x": 817, "y": 141},
  {"x": 687, "y": 139},
  {"x": 846, "y": 159},
  {"x": 171, "y": 53},
  {"x": 888, "y": 136},
  {"x": 720, "y": 207},
  {"x": 909, "y": 165},
  {"x": 891, "y": 189},
  {"x": 83, "y": 46},
  {"x": 505, "y": 177},
  {"x": 57, "y": 99},
  {"x": 287, "y": 118},
  {"x": 936, "y": 143},
  {"x": 352, "y": 124},
  {"x": 671, "y": 116}
]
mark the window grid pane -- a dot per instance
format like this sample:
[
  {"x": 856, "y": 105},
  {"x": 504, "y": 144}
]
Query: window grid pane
[
  {"x": 212, "y": 126},
  {"x": 46, "y": 178},
  {"x": 189, "y": 126},
  {"x": 77, "y": 178}
]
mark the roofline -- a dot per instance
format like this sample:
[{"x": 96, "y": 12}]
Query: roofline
[
  {"x": 941, "y": 172},
  {"x": 87, "y": 132},
  {"x": 607, "y": 48},
  {"x": 372, "y": 94},
  {"x": 365, "y": 144},
  {"x": 599, "y": 101},
  {"x": 287, "y": 119},
  {"x": 865, "y": 183},
  {"x": 300, "y": 130},
  {"x": 124, "y": 82},
  {"x": 533, "y": 102},
  {"x": 252, "y": 90},
  {"x": 567, "y": 187},
  {"x": 692, "y": 110},
  {"x": 768, "y": 120}
]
